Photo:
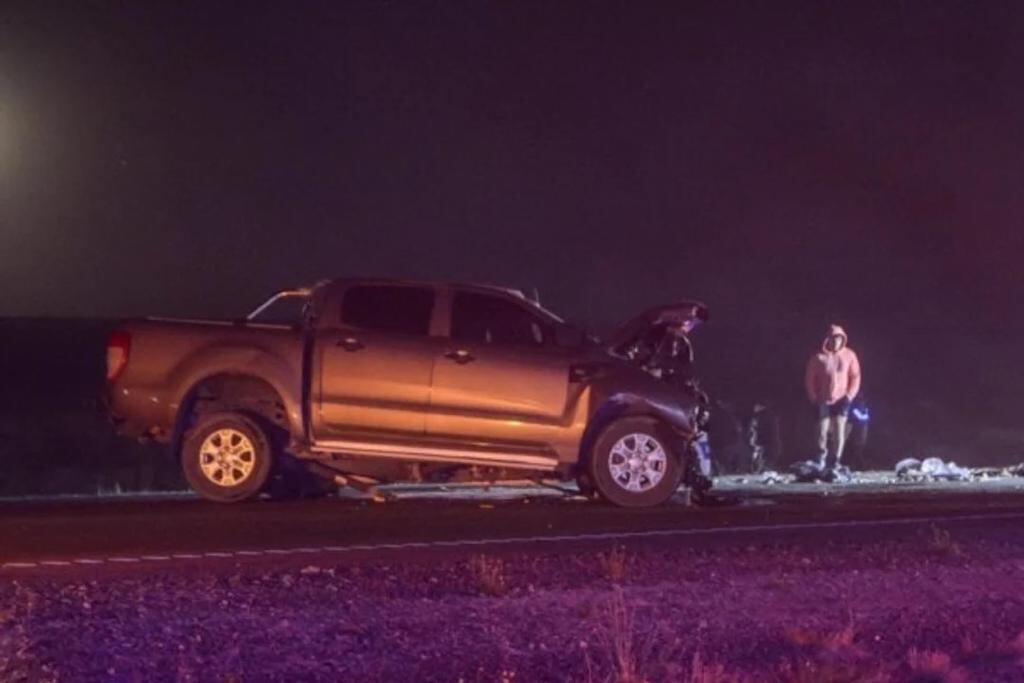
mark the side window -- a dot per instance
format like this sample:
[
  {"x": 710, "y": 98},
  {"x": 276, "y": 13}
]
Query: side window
[
  {"x": 388, "y": 308},
  {"x": 492, "y": 320}
]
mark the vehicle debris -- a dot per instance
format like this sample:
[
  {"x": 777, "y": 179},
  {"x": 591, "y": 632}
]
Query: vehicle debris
[
  {"x": 813, "y": 472},
  {"x": 772, "y": 477},
  {"x": 1015, "y": 471},
  {"x": 931, "y": 469}
]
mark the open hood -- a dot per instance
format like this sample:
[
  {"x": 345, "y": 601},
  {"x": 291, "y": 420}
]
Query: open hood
[{"x": 687, "y": 314}]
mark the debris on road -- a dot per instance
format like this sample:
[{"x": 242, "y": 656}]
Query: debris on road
[
  {"x": 772, "y": 478},
  {"x": 931, "y": 469},
  {"x": 1015, "y": 471},
  {"x": 812, "y": 472}
]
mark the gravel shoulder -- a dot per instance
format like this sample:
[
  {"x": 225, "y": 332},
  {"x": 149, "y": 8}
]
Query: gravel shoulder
[{"x": 935, "y": 607}]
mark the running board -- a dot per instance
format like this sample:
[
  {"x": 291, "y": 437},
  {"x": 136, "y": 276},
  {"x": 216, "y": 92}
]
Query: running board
[{"x": 509, "y": 459}]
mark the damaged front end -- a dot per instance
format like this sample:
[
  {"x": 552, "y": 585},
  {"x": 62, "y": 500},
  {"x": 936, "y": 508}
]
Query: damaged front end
[{"x": 658, "y": 343}]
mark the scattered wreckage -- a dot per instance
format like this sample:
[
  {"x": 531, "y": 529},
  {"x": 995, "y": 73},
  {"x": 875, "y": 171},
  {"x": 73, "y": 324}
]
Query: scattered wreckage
[
  {"x": 931, "y": 469},
  {"x": 908, "y": 470}
]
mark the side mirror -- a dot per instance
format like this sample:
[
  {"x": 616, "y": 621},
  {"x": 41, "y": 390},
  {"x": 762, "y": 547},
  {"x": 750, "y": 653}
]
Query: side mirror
[{"x": 567, "y": 336}]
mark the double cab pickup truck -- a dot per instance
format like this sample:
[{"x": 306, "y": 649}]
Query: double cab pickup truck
[{"x": 381, "y": 381}]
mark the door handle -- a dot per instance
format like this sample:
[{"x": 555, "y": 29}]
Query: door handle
[
  {"x": 350, "y": 344},
  {"x": 460, "y": 356}
]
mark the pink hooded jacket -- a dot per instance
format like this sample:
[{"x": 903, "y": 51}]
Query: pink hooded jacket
[{"x": 833, "y": 375}]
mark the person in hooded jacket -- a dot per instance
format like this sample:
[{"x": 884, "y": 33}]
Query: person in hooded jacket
[{"x": 832, "y": 381}]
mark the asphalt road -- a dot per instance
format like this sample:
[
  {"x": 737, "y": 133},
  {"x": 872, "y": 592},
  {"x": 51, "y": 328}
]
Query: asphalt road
[{"x": 67, "y": 535}]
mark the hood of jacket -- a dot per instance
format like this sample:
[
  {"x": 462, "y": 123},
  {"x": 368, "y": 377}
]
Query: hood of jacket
[{"x": 835, "y": 331}]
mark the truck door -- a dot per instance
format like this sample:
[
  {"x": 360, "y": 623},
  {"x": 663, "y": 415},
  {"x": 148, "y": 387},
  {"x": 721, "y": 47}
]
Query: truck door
[
  {"x": 373, "y": 361},
  {"x": 499, "y": 378}
]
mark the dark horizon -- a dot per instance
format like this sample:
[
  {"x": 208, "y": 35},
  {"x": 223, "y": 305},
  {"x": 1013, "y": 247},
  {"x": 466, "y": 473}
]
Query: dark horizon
[{"x": 796, "y": 161}]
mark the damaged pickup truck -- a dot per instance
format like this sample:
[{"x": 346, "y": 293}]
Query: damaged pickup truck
[{"x": 379, "y": 381}]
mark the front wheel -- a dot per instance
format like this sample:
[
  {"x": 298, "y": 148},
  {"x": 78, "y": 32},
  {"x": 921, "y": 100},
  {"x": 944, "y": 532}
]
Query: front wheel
[
  {"x": 633, "y": 463},
  {"x": 227, "y": 458}
]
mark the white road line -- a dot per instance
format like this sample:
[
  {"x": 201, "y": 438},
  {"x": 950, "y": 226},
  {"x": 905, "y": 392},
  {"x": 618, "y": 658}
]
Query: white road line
[{"x": 517, "y": 540}]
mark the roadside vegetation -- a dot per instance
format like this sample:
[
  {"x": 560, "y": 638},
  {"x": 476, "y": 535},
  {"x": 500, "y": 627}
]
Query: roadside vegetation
[{"x": 882, "y": 612}]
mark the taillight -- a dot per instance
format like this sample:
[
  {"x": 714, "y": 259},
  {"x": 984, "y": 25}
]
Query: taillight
[{"x": 118, "y": 346}]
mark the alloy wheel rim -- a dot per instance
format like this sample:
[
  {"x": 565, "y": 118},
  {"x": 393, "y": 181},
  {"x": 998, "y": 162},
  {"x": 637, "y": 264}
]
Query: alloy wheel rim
[
  {"x": 637, "y": 462},
  {"x": 227, "y": 457}
]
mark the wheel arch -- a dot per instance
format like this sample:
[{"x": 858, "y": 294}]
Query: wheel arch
[
  {"x": 232, "y": 389},
  {"x": 620, "y": 406}
]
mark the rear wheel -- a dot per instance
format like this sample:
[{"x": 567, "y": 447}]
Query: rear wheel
[
  {"x": 227, "y": 457},
  {"x": 633, "y": 463}
]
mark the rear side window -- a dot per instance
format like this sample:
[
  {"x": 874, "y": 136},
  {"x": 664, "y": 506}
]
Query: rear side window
[
  {"x": 388, "y": 308},
  {"x": 480, "y": 318}
]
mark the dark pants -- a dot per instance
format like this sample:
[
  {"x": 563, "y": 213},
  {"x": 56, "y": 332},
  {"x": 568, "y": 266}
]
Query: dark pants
[{"x": 832, "y": 422}]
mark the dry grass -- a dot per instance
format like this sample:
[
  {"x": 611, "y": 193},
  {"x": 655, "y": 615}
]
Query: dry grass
[
  {"x": 702, "y": 672},
  {"x": 825, "y": 641},
  {"x": 830, "y": 657},
  {"x": 812, "y": 671},
  {"x": 929, "y": 666},
  {"x": 1016, "y": 646},
  {"x": 631, "y": 657},
  {"x": 18, "y": 661},
  {"x": 616, "y": 564},
  {"x": 626, "y": 651},
  {"x": 628, "y": 654},
  {"x": 942, "y": 543},
  {"x": 636, "y": 655},
  {"x": 489, "y": 575}
]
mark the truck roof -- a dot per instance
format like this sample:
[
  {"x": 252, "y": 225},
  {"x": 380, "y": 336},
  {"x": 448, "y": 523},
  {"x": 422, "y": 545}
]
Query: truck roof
[
  {"x": 510, "y": 291},
  {"x": 426, "y": 283}
]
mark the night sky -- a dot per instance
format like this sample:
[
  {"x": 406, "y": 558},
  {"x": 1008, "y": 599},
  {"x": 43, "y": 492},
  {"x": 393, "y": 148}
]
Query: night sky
[{"x": 842, "y": 160}]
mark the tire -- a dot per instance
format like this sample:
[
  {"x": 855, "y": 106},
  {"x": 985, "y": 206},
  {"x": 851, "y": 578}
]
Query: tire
[
  {"x": 227, "y": 457},
  {"x": 641, "y": 481}
]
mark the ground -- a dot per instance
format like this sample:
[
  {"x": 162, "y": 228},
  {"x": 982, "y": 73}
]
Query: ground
[
  {"x": 839, "y": 596},
  {"x": 843, "y": 611}
]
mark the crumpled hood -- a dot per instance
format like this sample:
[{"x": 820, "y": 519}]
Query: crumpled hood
[
  {"x": 686, "y": 313},
  {"x": 835, "y": 330}
]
